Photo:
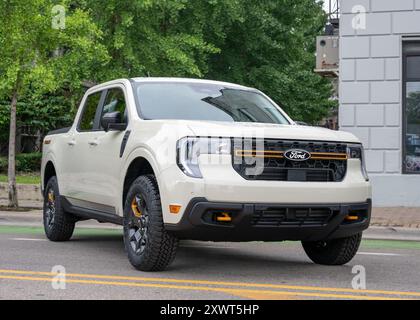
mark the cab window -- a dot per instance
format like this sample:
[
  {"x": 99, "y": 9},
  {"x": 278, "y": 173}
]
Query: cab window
[
  {"x": 87, "y": 119},
  {"x": 115, "y": 101}
]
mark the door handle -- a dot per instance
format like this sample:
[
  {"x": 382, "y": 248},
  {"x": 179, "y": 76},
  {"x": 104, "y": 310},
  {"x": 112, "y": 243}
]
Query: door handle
[
  {"x": 93, "y": 143},
  {"x": 71, "y": 143}
]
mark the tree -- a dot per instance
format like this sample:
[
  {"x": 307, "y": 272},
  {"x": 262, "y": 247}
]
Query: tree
[
  {"x": 38, "y": 58},
  {"x": 149, "y": 38}
]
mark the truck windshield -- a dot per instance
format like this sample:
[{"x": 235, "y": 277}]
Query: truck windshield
[{"x": 203, "y": 101}]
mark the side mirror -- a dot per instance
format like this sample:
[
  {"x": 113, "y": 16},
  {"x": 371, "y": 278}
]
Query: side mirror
[{"x": 112, "y": 121}]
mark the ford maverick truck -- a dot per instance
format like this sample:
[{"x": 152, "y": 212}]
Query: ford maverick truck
[{"x": 172, "y": 159}]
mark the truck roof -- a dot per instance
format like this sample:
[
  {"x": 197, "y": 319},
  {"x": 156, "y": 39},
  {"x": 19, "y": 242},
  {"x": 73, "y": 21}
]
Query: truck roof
[
  {"x": 170, "y": 80},
  {"x": 188, "y": 80}
]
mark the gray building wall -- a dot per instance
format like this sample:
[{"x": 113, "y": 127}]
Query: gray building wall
[{"x": 371, "y": 92}]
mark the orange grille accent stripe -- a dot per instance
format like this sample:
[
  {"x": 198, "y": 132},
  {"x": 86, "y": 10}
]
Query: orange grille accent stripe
[{"x": 280, "y": 154}]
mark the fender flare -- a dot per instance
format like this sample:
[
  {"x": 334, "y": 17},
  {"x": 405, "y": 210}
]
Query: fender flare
[{"x": 138, "y": 152}]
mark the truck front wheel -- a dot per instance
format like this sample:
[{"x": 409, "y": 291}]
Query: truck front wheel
[
  {"x": 333, "y": 252},
  {"x": 58, "y": 224},
  {"x": 148, "y": 245}
]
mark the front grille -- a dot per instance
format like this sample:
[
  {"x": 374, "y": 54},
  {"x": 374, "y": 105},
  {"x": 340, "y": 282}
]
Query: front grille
[
  {"x": 279, "y": 216},
  {"x": 328, "y": 162}
]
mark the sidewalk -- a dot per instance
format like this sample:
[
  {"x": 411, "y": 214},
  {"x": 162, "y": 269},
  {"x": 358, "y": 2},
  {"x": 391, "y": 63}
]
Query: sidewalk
[{"x": 396, "y": 217}]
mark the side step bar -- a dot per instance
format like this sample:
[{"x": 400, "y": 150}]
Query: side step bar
[{"x": 90, "y": 213}]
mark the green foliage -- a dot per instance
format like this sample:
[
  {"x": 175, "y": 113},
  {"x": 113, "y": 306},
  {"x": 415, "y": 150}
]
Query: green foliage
[
  {"x": 25, "y": 162},
  {"x": 44, "y": 66},
  {"x": 151, "y": 38},
  {"x": 3, "y": 164},
  {"x": 42, "y": 112},
  {"x": 41, "y": 59}
]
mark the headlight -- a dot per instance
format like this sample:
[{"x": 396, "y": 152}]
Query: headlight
[
  {"x": 189, "y": 149},
  {"x": 356, "y": 151}
]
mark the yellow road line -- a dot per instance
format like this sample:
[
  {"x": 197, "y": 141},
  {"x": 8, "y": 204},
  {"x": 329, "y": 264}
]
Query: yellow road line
[
  {"x": 200, "y": 288},
  {"x": 218, "y": 283}
]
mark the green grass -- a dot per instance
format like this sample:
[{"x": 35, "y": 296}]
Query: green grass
[
  {"x": 390, "y": 244},
  {"x": 27, "y": 178}
]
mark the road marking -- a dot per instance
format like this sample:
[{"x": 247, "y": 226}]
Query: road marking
[
  {"x": 381, "y": 254},
  {"x": 219, "y": 283},
  {"x": 27, "y": 239},
  {"x": 210, "y": 289}
]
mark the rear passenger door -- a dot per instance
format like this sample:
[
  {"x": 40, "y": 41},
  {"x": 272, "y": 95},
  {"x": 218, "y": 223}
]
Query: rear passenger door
[{"x": 104, "y": 161}]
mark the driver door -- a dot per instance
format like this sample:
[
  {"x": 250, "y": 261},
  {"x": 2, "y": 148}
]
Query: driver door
[{"x": 104, "y": 162}]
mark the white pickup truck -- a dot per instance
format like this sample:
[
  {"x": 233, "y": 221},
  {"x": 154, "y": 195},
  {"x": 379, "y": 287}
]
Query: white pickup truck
[{"x": 173, "y": 159}]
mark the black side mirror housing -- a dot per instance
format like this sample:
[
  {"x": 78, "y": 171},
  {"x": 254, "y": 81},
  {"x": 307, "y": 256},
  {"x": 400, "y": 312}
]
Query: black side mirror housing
[{"x": 112, "y": 121}]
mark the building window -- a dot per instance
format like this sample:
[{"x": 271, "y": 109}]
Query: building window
[{"x": 411, "y": 108}]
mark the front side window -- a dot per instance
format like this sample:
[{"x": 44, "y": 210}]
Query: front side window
[
  {"x": 207, "y": 102},
  {"x": 89, "y": 111},
  {"x": 411, "y": 157},
  {"x": 115, "y": 101}
]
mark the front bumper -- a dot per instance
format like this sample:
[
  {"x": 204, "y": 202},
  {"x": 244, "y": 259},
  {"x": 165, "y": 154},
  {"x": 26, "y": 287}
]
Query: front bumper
[
  {"x": 222, "y": 184},
  {"x": 271, "y": 222}
]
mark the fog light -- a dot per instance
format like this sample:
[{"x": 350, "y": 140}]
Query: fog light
[
  {"x": 174, "y": 208},
  {"x": 352, "y": 218},
  {"x": 223, "y": 217}
]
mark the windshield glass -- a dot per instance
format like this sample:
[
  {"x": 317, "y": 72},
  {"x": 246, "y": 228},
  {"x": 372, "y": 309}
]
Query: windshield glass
[{"x": 202, "y": 101}]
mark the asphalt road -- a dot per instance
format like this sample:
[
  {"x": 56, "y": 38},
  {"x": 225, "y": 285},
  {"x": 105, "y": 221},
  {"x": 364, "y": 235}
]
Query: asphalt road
[{"x": 97, "y": 268}]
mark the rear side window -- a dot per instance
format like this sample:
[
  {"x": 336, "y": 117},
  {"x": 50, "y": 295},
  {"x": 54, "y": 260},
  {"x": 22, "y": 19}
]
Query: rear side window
[
  {"x": 115, "y": 101},
  {"x": 89, "y": 111}
]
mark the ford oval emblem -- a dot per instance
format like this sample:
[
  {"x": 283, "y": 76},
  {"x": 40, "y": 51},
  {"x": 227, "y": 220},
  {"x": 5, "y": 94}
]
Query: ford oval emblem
[{"x": 297, "y": 155}]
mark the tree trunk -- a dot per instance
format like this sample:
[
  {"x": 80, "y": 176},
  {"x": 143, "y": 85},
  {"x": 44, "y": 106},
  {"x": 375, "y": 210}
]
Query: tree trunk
[{"x": 11, "y": 173}]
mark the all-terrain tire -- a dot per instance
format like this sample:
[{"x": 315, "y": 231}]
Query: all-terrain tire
[
  {"x": 143, "y": 220},
  {"x": 58, "y": 224},
  {"x": 333, "y": 252}
]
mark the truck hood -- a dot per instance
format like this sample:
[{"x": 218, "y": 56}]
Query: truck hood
[{"x": 270, "y": 131}]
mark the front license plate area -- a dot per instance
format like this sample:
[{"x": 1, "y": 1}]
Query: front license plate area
[{"x": 296, "y": 175}]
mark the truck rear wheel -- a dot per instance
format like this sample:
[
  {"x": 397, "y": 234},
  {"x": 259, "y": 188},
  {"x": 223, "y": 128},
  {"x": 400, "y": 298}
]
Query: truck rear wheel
[
  {"x": 58, "y": 224},
  {"x": 148, "y": 245},
  {"x": 333, "y": 252}
]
